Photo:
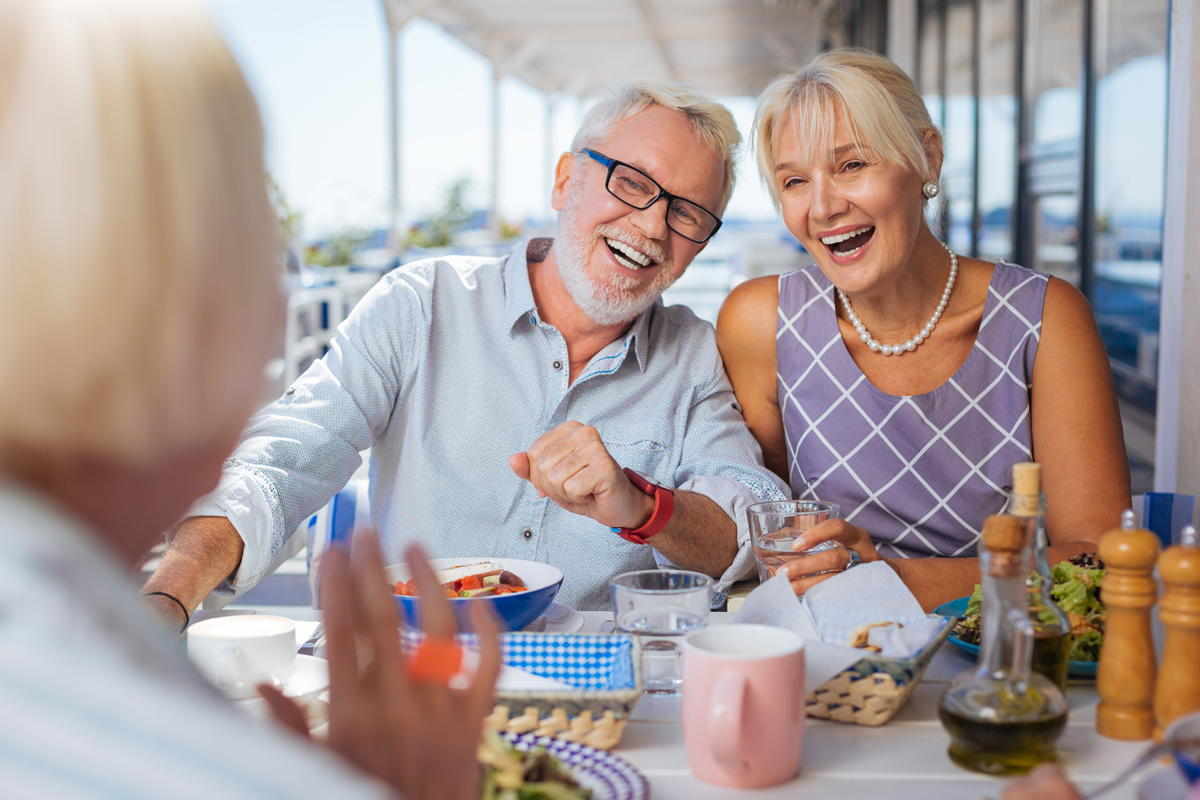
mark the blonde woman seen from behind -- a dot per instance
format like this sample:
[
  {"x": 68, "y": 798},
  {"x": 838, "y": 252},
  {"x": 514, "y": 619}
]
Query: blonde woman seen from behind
[
  {"x": 139, "y": 302},
  {"x": 895, "y": 377}
]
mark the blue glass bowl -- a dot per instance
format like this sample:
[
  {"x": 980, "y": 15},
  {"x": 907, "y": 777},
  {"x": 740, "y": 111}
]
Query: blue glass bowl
[
  {"x": 958, "y": 608},
  {"x": 514, "y": 610}
]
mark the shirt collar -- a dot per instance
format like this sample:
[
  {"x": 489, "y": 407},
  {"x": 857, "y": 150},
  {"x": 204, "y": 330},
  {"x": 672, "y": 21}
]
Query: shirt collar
[
  {"x": 518, "y": 299},
  {"x": 640, "y": 333},
  {"x": 518, "y": 294}
]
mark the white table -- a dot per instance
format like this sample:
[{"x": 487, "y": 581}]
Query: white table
[{"x": 904, "y": 759}]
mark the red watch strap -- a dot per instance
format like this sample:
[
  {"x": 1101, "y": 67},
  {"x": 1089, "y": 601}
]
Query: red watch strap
[{"x": 664, "y": 507}]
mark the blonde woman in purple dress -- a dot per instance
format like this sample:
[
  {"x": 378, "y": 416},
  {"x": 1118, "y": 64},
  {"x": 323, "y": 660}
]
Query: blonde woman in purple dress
[{"x": 895, "y": 377}]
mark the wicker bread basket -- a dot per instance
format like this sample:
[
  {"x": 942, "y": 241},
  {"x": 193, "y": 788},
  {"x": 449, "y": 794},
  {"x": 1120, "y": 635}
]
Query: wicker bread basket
[{"x": 875, "y": 688}]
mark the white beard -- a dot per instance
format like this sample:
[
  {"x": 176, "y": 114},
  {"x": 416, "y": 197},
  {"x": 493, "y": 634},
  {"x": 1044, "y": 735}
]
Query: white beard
[{"x": 614, "y": 302}]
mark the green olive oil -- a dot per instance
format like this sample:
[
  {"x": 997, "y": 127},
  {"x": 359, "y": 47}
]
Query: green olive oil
[{"x": 1001, "y": 748}]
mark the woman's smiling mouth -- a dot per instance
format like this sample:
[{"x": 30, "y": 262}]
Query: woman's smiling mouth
[{"x": 849, "y": 243}]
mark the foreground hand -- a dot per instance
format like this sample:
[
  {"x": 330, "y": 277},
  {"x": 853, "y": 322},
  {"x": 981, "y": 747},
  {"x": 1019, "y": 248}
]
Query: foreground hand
[
  {"x": 804, "y": 573},
  {"x": 572, "y": 467},
  {"x": 420, "y": 737},
  {"x": 1046, "y": 782}
]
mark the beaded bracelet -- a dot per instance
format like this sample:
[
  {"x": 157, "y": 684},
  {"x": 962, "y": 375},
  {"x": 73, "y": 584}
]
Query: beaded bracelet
[{"x": 187, "y": 618}]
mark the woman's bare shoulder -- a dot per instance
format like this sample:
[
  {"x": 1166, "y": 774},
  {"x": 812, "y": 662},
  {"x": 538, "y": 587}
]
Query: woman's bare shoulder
[
  {"x": 1067, "y": 318},
  {"x": 750, "y": 309}
]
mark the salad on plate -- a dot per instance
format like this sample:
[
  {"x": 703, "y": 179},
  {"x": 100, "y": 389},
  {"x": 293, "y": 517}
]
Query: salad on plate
[{"x": 1077, "y": 592}]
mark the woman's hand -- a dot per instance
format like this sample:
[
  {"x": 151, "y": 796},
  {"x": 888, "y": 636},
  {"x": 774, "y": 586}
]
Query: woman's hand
[
  {"x": 806, "y": 572},
  {"x": 419, "y": 736}
]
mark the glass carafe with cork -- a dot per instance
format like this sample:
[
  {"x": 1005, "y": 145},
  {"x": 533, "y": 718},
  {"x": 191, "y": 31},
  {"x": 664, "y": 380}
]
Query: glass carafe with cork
[
  {"x": 1002, "y": 717},
  {"x": 1051, "y": 625}
]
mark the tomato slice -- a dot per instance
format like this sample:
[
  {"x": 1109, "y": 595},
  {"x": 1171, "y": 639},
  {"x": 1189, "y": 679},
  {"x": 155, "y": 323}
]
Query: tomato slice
[{"x": 470, "y": 582}]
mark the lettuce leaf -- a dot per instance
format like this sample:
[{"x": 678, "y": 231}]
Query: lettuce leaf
[{"x": 1086, "y": 646}]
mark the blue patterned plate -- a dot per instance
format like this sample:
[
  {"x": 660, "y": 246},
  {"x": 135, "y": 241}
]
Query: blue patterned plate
[
  {"x": 958, "y": 608},
  {"x": 609, "y": 777}
]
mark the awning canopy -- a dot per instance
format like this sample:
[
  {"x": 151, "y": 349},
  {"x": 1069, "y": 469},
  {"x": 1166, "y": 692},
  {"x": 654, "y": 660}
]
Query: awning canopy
[{"x": 582, "y": 47}]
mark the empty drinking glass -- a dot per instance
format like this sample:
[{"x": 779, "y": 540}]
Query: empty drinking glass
[{"x": 659, "y": 606}]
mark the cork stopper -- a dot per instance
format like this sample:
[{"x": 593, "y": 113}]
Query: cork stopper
[
  {"x": 1027, "y": 478},
  {"x": 1004, "y": 538},
  {"x": 1027, "y": 490}
]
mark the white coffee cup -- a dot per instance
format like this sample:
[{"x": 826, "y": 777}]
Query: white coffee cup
[{"x": 237, "y": 653}]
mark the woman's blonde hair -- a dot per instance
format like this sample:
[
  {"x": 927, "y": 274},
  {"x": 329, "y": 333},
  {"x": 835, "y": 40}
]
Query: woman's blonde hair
[
  {"x": 139, "y": 257},
  {"x": 711, "y": 121},
  {"x": 872, "y": 97}
]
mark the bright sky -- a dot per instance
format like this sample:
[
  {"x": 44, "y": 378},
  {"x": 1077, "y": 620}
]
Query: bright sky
[{"x": 318, "y": 70}]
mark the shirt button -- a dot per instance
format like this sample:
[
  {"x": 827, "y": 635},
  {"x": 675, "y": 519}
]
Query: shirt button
[
  {"x": 527, "y": 533},
  {"x": 557, "y": 365}
]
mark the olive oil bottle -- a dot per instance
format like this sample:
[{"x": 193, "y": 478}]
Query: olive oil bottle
[
  {"x": 1051, "y": 625},
  {"x": 1002, "y": 717}
]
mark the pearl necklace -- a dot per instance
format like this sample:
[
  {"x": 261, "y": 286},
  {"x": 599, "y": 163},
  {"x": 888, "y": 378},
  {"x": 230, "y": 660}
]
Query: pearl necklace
[{"x": 897, "y": 349}]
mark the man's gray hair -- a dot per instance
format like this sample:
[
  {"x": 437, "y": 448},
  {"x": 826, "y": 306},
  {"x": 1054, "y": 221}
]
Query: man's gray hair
[{"x": 712, "y": 121}]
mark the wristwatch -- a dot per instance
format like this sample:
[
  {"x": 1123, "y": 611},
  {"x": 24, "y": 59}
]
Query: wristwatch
[{"x": 664, "y": 506}]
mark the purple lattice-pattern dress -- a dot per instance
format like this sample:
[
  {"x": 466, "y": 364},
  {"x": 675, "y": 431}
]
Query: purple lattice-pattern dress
[{"x": 918, "y": 473}]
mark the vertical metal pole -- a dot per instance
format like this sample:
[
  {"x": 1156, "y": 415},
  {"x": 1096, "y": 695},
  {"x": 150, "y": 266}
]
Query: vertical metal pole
[
  {"x": 494, "y": 196},
  {"x": 395, "y": 210},
  {"x": 977, "y": 91},
  {"x": 1177, "y": 419},
  {"x": 548, "y": 157},
  {"x": 1087, "y": 183},
  {"x": 943, "y": 202},
  {"x": 1022, "y": 216}
]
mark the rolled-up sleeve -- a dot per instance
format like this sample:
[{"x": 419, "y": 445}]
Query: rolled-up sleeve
[
  {"x": 722, "y": 461},
  {"x": 298, "y": 452}
]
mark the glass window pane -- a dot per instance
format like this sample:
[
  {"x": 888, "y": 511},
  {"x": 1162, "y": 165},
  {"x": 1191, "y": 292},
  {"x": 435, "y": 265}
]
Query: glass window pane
[
  {"x": 929, "y": 83},
  {"x": 997, "y": 127},
  {"x": 1131, "y": 116},
  {"x": 1056, "y": 236},
  {"x": 1055, "y": 33},
  {"x": 958, "y": 168}
]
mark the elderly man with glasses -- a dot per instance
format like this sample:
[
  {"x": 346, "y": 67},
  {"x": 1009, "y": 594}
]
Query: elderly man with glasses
[{"x": 543, "y": 406}]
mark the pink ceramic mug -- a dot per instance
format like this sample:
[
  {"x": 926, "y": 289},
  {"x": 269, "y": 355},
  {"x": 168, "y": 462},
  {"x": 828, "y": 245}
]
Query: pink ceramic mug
[{"x": 743, "y": 704}]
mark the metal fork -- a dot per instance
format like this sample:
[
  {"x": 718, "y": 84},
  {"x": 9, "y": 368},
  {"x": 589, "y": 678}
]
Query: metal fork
[
  {"x": 314, "y": 641},
  {"x": 1151, "y": 753}
]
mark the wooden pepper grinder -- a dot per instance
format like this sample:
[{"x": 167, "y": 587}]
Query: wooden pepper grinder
[
  {"x": 1125, "y": 674},
  {"x": 1178, "y": 689}
]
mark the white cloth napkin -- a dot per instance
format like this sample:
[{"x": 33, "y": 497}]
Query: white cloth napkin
[
  {"x": 832, "y": 609},
  {"x": 518, "y": 680}
]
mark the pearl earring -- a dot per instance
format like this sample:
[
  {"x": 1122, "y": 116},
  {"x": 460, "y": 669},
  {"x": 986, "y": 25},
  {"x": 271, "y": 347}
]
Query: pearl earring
[{"x": 930, "y": 189}]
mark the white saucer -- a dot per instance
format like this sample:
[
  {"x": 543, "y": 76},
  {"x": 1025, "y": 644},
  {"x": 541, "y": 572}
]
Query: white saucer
[
  {"x": 1163, "y": 784},
  {"x": 310, "y": 678},
  {"x": 561, "y": 619}
]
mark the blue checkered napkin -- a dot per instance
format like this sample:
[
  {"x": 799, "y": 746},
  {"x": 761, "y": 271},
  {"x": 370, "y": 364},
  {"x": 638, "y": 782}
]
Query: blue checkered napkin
[{"x": 592, "y": 663}]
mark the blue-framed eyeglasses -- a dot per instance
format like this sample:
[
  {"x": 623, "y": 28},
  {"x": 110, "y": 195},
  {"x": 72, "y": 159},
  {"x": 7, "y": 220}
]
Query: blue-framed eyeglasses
[{"x": 637, "y": 189}]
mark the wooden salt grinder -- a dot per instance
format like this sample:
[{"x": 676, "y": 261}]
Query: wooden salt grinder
[
  {"x": 1178, "y": 689},
  {"x": 1125, "y": 674}
]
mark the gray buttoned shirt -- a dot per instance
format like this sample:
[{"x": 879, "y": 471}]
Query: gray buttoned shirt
[{"x": 445, "y": 370}]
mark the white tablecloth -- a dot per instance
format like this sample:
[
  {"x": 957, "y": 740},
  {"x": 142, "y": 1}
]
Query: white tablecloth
[{"x": 904, "y": 759}]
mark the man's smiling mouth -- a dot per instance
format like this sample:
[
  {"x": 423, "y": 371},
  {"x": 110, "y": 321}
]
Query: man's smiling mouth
[
  {"x": 627, "y": 256},
  {"x": 847, "y": 244}
]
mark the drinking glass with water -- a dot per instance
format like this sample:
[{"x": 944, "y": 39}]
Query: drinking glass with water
[
  {"x": 659, "y": 607},
  {"x": 775, "y": 525}
]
